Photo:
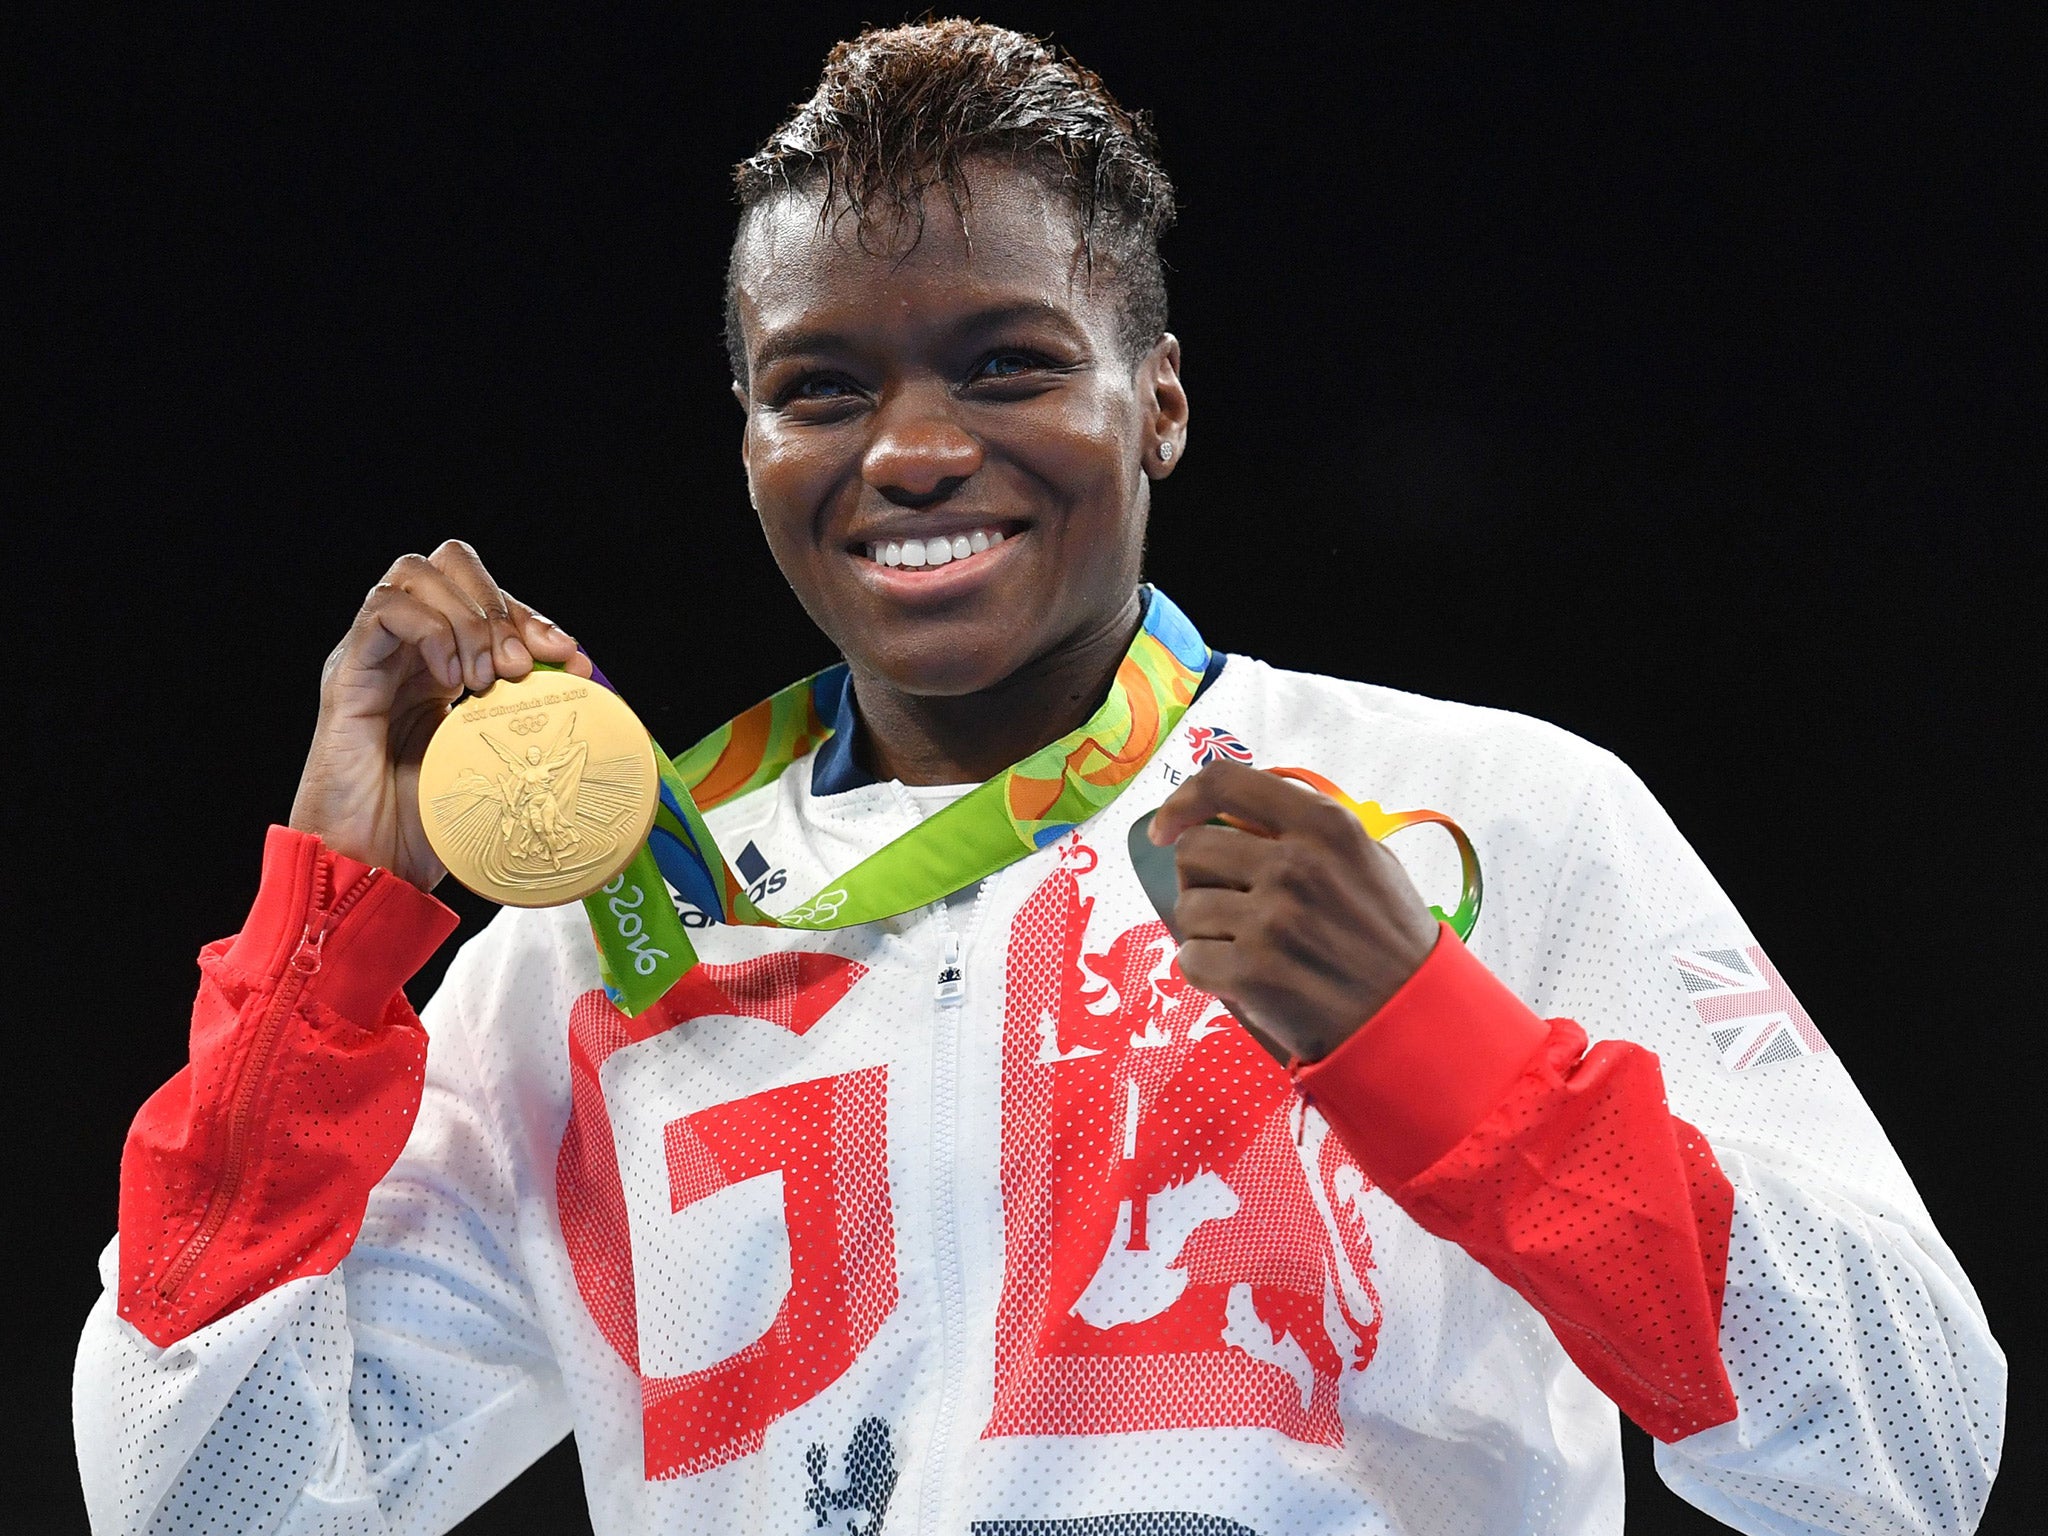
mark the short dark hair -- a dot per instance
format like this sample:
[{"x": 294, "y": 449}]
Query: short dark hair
[{"x": 901, "y": 110}]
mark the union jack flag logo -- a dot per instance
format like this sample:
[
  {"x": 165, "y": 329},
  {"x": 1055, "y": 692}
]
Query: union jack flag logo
[
  {"x": 1752, "y": 1015},
  {"x": 1207, "y": 743}
]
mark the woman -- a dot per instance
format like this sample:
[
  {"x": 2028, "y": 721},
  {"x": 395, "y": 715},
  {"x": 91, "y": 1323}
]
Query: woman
[{"x": 1265, "y": 1202}]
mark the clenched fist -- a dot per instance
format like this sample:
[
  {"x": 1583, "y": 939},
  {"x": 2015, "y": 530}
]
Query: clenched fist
[
  {"x": 1297, "y": 920},
  {"x": 433, "y": 627}
]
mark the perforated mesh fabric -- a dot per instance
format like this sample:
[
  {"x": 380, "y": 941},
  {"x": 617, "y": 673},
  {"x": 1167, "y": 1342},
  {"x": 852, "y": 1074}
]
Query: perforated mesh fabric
[
  {"x": 1334, "y": 1366},
  {"x": 1817, "y": 1379}
]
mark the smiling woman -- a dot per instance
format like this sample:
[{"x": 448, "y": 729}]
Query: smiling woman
[
  {"x": 1265, "y": 1204},
  {"x": 946, "y": 321},
  {"x": 956, "y": 375}
]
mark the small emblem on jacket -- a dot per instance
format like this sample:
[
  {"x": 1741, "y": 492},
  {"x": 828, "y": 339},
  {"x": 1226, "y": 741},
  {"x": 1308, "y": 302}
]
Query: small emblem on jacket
[
  {"x": 870, "y": 1467},
  {"x": 1751, "y": 1015},
  {"x": 1208, "y": 744},
  {"x": 762, "y": 882}
]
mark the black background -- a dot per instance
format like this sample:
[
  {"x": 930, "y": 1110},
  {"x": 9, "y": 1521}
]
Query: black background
[{"x": 1673, "y": 377}]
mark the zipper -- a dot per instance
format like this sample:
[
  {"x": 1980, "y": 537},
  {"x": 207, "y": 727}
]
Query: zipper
[
  {"x": 304, "y": 963},
  {"x": 946, "y": 1197}
]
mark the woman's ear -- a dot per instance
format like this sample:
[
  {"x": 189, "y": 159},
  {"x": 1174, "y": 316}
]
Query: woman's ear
[{"x": 1164, "y": 400}]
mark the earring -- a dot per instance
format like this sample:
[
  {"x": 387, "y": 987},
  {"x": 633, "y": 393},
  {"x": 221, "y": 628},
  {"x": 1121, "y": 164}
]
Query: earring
[{"x": 1166, "y": 453}]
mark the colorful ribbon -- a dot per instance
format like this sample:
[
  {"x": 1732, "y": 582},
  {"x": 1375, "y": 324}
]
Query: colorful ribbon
[
  {"x": 1381, "y": 824},
  {"x": 642, "y": 945}
]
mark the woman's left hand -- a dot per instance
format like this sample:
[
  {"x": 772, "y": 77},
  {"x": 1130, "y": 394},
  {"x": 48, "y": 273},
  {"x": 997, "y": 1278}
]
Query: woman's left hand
[{"x": 1294, "y": 918}]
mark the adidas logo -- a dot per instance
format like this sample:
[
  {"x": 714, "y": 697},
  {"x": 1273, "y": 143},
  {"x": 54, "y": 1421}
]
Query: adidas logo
[{"x": 762, "y": 882}]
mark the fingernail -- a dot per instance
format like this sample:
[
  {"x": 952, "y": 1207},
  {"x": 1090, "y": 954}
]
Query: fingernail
[{"x": 516, "y": 653}]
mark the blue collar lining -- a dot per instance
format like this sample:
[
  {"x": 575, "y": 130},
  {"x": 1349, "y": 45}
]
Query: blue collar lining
[{"x": 835, "y": 768}]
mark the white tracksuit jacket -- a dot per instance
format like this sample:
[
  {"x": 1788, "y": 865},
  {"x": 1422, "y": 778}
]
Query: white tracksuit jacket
[{"x": 982, "y": 1220}]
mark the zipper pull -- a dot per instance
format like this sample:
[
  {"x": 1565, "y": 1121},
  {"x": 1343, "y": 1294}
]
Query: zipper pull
[
  {"x": 323, "y": 921},
  {"x": 952, "y": 985}
]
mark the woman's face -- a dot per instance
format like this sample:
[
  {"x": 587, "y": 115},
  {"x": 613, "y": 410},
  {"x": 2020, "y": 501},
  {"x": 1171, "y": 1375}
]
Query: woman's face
[{"x": 967, "y": 396}]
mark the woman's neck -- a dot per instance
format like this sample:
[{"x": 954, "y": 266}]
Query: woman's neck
[{"x": 922, "y": 739}]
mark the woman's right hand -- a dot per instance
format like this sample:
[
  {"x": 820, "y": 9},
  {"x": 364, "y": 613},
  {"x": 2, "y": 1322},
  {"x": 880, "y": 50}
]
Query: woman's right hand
[{"x": 433, "y": 627}]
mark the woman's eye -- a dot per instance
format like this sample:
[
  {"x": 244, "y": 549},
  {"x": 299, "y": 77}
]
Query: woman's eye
[
  {"x": 1004, "y": 365},
  {"x": 820, "y": 387}
]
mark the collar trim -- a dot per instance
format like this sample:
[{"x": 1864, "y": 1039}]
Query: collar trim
[{"x": 835, "y": 768}]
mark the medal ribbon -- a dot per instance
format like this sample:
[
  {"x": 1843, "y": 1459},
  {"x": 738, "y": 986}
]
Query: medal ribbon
[{"x": 642, "y": 944}]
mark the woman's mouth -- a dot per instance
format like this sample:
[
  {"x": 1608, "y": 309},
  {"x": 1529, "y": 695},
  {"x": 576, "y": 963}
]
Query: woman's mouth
[{"x": 941, "y": 549}]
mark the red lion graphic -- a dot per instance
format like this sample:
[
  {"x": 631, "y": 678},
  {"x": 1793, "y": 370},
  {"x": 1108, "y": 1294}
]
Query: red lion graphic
[{"x": 1176, "y": 1254}]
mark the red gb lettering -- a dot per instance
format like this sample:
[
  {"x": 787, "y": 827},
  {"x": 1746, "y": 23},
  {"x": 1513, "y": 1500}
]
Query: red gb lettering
[{"x": 827, "y": 1138}]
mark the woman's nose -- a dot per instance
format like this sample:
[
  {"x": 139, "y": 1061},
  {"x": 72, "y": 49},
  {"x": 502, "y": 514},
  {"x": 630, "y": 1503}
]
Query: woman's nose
[{"x": 918, "y": 450}]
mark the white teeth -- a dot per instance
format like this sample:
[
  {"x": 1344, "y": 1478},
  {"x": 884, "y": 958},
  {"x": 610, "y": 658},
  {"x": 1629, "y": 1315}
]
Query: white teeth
[{"x": 918, "y": 553}]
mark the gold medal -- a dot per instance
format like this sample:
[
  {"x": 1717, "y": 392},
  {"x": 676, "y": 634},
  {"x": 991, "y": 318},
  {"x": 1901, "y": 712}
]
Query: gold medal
[{"x": 536, "y": 793}]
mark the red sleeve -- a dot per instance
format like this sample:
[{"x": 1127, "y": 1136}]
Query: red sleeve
[
  {"x": 253, "y": 1165},
  {"x": 1560, "y": 1169}
]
